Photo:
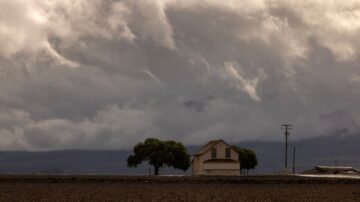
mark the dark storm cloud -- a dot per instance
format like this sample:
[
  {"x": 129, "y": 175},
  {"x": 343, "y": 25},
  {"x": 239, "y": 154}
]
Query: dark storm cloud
[{"x": 107, "y": 74}]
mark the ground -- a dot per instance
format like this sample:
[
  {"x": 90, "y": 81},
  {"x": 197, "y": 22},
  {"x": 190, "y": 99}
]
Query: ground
[{"x": 120, "y": 188}]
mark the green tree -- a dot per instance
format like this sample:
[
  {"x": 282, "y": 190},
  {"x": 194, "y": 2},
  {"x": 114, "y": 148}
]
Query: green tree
[
  {"x": 160, "y": 154},
  {"x": 247, "y": 159}
]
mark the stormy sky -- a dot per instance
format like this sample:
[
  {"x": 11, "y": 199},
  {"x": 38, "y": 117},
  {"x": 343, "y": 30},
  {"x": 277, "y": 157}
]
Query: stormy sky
[{"x": 91, "y": 74}]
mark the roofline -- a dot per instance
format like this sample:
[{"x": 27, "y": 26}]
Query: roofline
[
  {"x": 215, "y": 143},
  {"x": 221, "y": 160},
  {"x": 336, "y": 167}
]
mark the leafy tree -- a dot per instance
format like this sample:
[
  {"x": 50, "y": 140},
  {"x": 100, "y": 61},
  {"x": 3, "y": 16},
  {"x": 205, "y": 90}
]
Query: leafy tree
[
  {"x": 247, "y": 159},
  {"x": 160, "y": 154}
]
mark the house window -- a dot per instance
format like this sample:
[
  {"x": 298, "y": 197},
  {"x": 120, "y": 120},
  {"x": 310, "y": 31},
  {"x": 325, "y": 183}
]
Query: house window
[
  {"x": 227, "y": 153},
  {"x": 213, "y": 153}
]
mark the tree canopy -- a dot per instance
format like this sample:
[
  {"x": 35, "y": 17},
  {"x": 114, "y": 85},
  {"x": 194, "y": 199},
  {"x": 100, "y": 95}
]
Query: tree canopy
[
  {"x": 247, "y": 158},
  {"x": 160, "y": 154}
]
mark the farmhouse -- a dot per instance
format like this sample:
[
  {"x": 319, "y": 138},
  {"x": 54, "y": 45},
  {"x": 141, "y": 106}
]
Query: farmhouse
[
  {"x": 318, "y": 170},
  {"x": 216, "y": 158}
]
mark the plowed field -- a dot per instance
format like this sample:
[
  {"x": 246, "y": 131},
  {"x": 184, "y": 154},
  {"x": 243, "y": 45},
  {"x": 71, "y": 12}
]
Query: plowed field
[{"x": 260, "y": 188}]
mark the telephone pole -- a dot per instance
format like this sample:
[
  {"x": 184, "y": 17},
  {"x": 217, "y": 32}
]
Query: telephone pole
[
  {"x": 286, "y": 127},
  {"x": 294, "y": 160}
]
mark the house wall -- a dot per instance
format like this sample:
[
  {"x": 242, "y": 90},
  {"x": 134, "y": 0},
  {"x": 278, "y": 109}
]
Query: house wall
[
  {"x": 220, "y": 150},
  {"x": 221, "y": 166},
  {"x": 222, "y": 172},
  {"x": 198, "y": 165},
  {"x": 216, "y": 168}
]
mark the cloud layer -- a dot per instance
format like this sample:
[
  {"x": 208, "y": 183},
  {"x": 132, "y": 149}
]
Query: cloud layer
[{"x": 94, "y": 74}]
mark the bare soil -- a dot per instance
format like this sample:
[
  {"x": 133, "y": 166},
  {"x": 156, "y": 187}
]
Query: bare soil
[{"x": 120, "y": 188}]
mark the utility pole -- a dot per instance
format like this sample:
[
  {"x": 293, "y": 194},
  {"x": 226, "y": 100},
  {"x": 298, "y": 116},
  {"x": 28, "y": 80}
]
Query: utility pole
[
  {"x": 286, "y": 127},
  {"x": 294, "y": 161}
]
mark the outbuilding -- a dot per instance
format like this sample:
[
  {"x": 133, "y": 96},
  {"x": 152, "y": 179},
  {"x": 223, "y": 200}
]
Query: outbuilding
[{"x": 326, "y": 170}]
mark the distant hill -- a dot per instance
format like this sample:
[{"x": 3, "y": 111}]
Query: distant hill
[
  {"x": 326, "y": 150},
  {"x": 331, "y": 150}
]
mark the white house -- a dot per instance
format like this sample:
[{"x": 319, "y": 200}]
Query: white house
[{"x": 216, "y": 158}]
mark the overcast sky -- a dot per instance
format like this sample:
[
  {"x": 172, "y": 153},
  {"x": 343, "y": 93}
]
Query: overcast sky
[{"x": 91, "y": 74}]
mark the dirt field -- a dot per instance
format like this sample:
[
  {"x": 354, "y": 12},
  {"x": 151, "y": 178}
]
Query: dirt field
[{"x": 108, "y": 188}]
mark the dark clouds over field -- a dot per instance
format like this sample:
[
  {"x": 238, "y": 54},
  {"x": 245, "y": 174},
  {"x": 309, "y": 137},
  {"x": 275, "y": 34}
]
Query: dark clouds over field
[{"x": 94, "y": 74}]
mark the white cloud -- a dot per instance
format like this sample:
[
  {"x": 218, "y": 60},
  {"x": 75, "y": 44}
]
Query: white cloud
[
  {"x": 106, "y": 130},
  {"x": 152, "y": 22},
  {"x": 21, "y": 27},
  {"x": 184, "y": 70},
  {"x": 249, "y": 86}
]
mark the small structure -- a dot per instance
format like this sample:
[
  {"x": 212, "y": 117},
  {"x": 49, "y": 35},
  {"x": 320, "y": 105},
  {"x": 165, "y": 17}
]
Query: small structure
[
  {"x": 326, "y": 170},
  {"x": 216, "y": 158}
]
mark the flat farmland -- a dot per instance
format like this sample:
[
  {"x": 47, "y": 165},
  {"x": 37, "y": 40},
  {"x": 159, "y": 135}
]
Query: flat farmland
[{"x": 125, "y": 188}]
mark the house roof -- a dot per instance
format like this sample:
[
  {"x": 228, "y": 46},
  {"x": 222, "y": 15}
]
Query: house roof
[
  {"x": 342, "y": 168},
  {"x": 221, "y": 161},
  {"x": 331, "y": 169},
  {"x": 209, "y": 145}
]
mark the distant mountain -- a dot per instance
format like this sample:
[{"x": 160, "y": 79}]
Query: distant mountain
[
  {"x": 330, "y": 150},
  {"x": 326, "y": 150}
]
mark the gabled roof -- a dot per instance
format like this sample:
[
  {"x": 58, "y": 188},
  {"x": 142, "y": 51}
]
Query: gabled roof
[
  {"x": 342, "y": 168},
  {"x": 209, "y": 145},
  {"x": 221, "y": 161},
  {"x": 331, "y": 170}
]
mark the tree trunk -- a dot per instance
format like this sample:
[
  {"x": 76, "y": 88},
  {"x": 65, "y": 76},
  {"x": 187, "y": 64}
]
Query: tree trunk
[{"x": 156, "y": 170}]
